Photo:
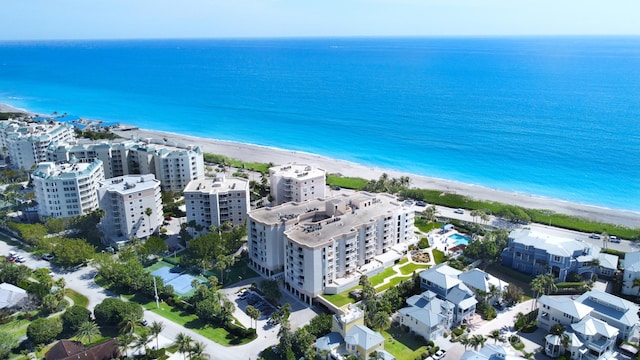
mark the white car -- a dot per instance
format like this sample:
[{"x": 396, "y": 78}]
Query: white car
[
  {"x": 458, "y": 211},
  {"x": 439, "y": 354}
]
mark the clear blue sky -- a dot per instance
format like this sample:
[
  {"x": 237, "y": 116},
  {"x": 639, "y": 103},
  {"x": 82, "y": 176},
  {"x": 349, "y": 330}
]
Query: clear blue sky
[{"x": 115, "y": 19}]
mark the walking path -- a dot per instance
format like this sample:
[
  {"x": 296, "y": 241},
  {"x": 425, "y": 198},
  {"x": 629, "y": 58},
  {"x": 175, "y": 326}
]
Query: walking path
[{"x": 398, "y": 271}]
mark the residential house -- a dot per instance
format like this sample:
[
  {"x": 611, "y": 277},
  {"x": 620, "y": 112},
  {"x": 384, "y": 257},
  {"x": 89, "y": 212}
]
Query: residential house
[
  {"x": 484, "y": 284},
  {"x": 616, "y": 312},
  {"x": 427, "y": 315},
  {"x": 444, "y": 281},
  {"x": 537, "y": 253},
  {"x": 11, "y": 296},
  {"x": 589, "y": 338},
  {"x": 73, "y": 350},
  {"x": 349, "y": 335},
  {"x": 631, "y": 265}
]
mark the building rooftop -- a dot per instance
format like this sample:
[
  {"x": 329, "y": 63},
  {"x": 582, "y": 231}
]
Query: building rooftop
[
  {"x": 632, "y": 261},
  {"x": 130, "y": 183},
  {"x": 554, "y": 245},
  {"x": 220, "y": 184},
  {"x": 320, "y": 220},
  {"x": 566, "y": 305},
  {"x": 363, "y": 336},
  {"x": 610, "y": 306},
  {"x": 297, "y": 171},
  {"x": 61, "y": 170},
  {"x": 590, "y": 326},
  {"x": 481, "y": 280},
  {"x": 442, "y": 275}
]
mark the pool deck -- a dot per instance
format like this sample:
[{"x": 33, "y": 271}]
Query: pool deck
[{"x": 441, "y": 241}]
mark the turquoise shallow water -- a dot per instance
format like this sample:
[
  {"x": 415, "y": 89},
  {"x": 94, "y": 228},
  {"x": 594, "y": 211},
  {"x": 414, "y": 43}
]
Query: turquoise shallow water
[{"x": 556, "y": 117}]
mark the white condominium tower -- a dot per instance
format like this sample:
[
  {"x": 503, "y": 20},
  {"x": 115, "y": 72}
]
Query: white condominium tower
[
  {"x": 214, "y": 201},
  {"x": 173, "y": 164},
  {"x": 67, "y": 189},
  {"x": 26, "y": 143},
  {"x": 323, "y": 246},
  {"x": 296, "y": 182},
  {"x": 132, "y": 207}
]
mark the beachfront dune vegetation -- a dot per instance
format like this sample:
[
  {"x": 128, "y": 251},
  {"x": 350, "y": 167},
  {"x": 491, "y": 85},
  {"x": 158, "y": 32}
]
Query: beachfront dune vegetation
[{"x": 401, "y": 187}]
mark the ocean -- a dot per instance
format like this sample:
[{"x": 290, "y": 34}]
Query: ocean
[{"x": 550, "y": 116}]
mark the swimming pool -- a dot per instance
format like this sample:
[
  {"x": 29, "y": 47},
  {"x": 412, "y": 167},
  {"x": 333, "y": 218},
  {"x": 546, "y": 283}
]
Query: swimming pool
[{"x": 460, "y": 239}]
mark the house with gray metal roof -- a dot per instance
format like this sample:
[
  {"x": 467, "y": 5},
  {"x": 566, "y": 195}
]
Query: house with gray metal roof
[
  {"x": 427, "y": 315},
  {"x": 444, "y": 282},
  {"x": 537, "y": 253},
  {"x": 631, "y": 265}
]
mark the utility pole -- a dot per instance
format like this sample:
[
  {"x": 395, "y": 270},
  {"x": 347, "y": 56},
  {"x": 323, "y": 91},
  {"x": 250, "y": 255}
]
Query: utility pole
[{"x": 155, "y": 290}]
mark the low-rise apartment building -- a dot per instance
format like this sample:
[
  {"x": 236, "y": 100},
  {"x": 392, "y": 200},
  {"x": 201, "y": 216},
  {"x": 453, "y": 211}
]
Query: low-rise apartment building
[
  {"x": 132, "y": 207},
  {"x": 323, "y": 246},
  {"x": 215, "y": 201},
  {"x": 536, "y": 253},
  {"x": 67, "y": 189},
  {"x": 296, "y": 182}
]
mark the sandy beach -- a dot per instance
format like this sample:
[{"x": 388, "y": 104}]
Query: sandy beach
[{"x": 255, "y": 153}]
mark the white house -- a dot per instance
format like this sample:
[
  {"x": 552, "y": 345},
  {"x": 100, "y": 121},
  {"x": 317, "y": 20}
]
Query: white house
[
  {"x": 427, "y": 315},
  {"x": 11, "y": 296},
  {"x": 631, "y": 272},
  {"x": 444, "y": 281}
]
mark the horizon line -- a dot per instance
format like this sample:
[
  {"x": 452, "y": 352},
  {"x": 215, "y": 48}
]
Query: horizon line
[{"x": 321, "y": 37}]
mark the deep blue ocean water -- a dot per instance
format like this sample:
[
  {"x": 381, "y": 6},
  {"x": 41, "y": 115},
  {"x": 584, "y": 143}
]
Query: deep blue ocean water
[{"x": 557, "y": 117}]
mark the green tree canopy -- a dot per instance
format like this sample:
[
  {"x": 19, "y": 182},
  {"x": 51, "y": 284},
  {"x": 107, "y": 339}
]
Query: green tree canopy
[
  {"x": 43, "y": 330},
  {"x": 72, "y": 252},
  {"x": 74, "y": 316}
]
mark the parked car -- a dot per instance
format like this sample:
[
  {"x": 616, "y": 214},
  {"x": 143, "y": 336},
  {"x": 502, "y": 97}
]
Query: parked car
[
  {"x": 144, "y": 322},
  {"x": 47, "y": 257},
  {"x": 439, "y": 354},
  {"x": 421, "y": 203}
]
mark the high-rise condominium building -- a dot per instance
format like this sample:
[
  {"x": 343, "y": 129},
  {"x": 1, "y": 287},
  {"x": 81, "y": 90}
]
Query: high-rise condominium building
[
  {"x": 67, "y": 189},
  {"x": 26, "y": 143},
  {"x": 215, "y": 201},
  {"x": 296, "y": 182},
  {"x": 132, "y": 207},
  {"x": 323, "y": 246}
]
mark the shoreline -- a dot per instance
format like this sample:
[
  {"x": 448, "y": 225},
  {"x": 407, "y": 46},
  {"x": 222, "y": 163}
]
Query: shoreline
[{"x": 265, "y": 154}]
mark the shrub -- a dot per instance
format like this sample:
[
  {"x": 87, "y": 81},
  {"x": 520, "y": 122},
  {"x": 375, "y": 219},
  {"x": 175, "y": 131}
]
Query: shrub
[
  {"x": 111, "y": 311},
  {"x": 423, "y": 243},
  {"x": 44, "y": 331},
  {"x": 74, "y": 316},
  {"x": 457, "y": 331}
]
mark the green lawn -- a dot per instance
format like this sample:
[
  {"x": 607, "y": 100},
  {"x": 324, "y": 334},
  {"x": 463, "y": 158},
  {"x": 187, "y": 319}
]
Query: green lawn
[
  {"x": 402, "y": 345},
  {"x": 346, "y": 182},
  {"x": 392, "y": 282},
  {"x": 191, "y": 321},
  {"x": 425, "y": 226},
  {"x": 438, "y": 256},
  {"x": 379, "y": 278},
  {"x": 78, "y": 299},
  {"x": 341, "y": 299},
  {"x": 410, "y": 268},
  {"x": 238, "y": 272}
]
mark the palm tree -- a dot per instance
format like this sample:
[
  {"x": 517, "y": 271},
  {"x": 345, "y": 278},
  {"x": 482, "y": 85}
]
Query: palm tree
[
  {"x": 197, "y": 351},
  {"x": 87, "y": 330},
  {"x": 495, "y": 336},
  {"x": 142, "y": 341},
  {"x": 148, "y": 212},
  {"x": 253, "y": 313},
  {"x": 156, "y": 328},
  {"x": 464, "y": 340},
  {"x": 477, "y": 341},
  {"x": 129, "y": 323},
  {"x": 184, "y": 343},
  {"x": 381, "y": 321},
  {"x": 538, "y": 288},
  {"x": 123, "y": 342}
]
